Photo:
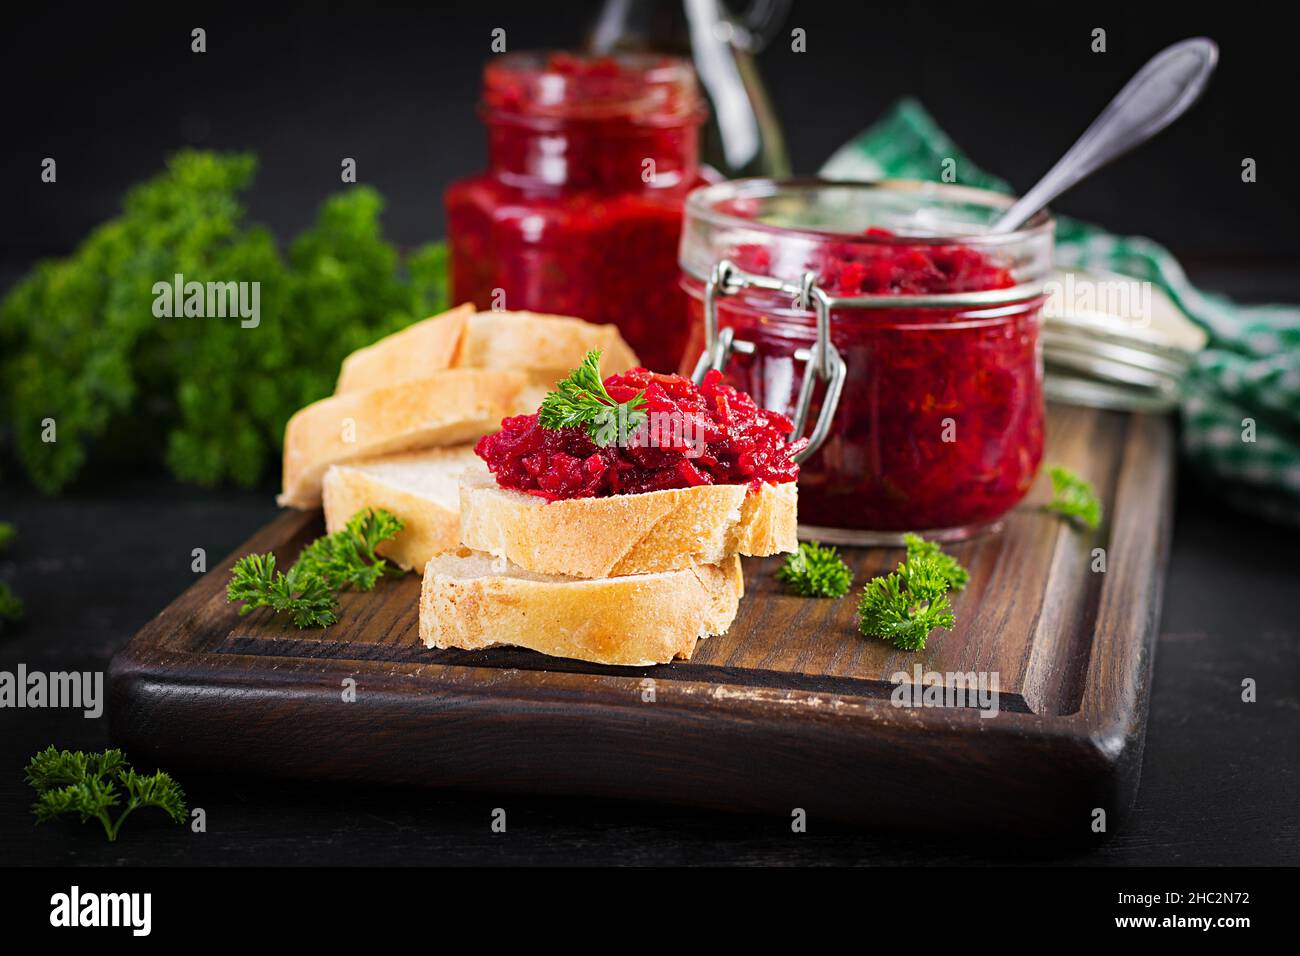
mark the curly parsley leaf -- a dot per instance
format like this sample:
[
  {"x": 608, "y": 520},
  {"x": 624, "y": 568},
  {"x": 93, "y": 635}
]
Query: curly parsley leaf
[
  {"x": 308, "y": 593},
  {"x": 918, "y": 547},
  {"x": 154, "y": 790},
  {"x": 581, "y": 400},
  {"x": 92, "y": 785},
  {"x": 347, "y": 558},
  {"x": 307, "y": 599},
  {"x": 1074, "y": 498},
  {"x": 910, "y": 602},
  {"x": 815, "y": 571},
  {"x": 907, "y": 604}
]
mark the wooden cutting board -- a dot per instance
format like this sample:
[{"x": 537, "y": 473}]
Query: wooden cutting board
[{"x": 789, "y": 710}]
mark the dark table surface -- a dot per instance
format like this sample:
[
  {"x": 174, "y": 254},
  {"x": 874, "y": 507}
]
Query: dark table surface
[{"x": 1218, "y": 785}]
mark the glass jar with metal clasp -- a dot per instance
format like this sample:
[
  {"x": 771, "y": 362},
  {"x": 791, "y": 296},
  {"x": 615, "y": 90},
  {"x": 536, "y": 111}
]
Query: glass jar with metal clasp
[
  {"x": 897, "y": 334},
  {"x": 579, "y": 213}
]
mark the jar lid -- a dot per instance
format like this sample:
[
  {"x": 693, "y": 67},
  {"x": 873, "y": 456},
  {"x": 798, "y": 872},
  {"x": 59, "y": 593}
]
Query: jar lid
[{"x": 1112, "y": 341}]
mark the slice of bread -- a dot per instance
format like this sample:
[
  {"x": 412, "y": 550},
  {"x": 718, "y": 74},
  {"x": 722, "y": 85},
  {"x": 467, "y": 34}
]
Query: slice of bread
[
  {"x": 421, "y": 488},
  {"x": 407, "y": 355},
  {"x": 447, "y": 408},
  {"x": 626, "y": 534},
  {"x": 472, "y": 601},
  {"x": 550, "y": 345}
]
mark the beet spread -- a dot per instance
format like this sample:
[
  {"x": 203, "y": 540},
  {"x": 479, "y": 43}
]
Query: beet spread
[
  {"x": 710, "y": 434},
  {"x": 891, "y": 268},
  {"x": 580, "y": 210},
  {"x": 940, "y": 422}
]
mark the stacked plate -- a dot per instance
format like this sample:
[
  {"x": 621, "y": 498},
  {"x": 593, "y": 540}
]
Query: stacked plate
[{"x": 1111, "y": 341}]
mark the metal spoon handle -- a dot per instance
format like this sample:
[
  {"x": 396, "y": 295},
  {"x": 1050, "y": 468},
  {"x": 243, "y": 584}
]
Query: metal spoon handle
[{"x": 1159, "y": 94}]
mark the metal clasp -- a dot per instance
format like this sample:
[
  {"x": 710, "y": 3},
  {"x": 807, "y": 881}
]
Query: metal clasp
[{"x": 822, "y": 361}]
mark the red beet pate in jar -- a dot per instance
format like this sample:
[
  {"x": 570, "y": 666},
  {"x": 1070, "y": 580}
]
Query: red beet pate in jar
[
  {"x": 590, "y": 160},
  {"x": 925, "y": 404}
]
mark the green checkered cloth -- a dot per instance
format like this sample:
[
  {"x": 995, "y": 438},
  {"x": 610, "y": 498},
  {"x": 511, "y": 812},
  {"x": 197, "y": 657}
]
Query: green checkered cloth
[{"x": 1250, "y": 371}]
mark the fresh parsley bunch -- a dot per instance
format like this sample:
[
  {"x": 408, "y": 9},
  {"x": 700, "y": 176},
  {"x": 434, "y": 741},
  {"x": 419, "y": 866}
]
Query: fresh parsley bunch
[
  {"x": 79, "y": 342},
  {"x": 815, "y": 571},
  {"x": 308, "y": 593},
  {"x": 905, "y": 605},
  {"x": 1074, "y": 498},
  {"x": 581, "y": 400},
  {"x": 91, "y": 785}
]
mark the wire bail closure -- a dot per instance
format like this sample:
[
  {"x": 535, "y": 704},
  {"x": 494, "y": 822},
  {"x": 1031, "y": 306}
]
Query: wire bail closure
[{"x": 823, "y": 360}]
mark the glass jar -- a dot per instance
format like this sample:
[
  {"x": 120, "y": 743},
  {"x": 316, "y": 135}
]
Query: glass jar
[
  {"x": 924, "y": 405},
  {"x": 590, "y": 160}
]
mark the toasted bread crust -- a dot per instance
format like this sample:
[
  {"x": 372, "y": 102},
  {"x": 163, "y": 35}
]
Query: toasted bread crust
[
  {"x": 550, "y": 344},
  {"x": 450, "y": 406},
  {"x": 627, "y": 534},
  {"x": 404, "y": 356},
  {"x": 430, "y": 526},
  {"x": 633, "y": 621}
]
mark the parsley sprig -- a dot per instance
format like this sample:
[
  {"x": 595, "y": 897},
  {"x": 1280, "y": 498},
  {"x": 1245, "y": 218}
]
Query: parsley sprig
[
  {"x": 308, "y": 593},
  {"x": 93, "y": 784},
  {"x": 815, "y": 570},
  {"x": 905, "y": 605},
  {"x": 918, "y": 547},
  {"x": 305, "y": 597},
  {"x": 582, "y": 400},
  {"x": 347, "y": 558},
  {"x": 1074, "y": 498}
]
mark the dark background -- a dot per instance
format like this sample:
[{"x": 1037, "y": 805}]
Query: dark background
[{"x": 109, "y": 91}]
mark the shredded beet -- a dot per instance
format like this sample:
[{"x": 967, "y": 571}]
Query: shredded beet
[
  {"x": 705, "y": 435},
  {"x": 891, "y": 268},
  {"x": 941, "y": 420},
  {"x": 566, "y": 220}
]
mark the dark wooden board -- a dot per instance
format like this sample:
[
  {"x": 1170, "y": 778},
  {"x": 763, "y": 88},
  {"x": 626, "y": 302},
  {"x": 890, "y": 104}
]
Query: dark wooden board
[{"x": 790, "y": 709}]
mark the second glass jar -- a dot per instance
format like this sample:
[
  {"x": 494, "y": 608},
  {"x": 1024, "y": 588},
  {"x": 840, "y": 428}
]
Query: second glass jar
[
  {"x": 939, "y": 425},
  {"x": 580, "y": 211}
]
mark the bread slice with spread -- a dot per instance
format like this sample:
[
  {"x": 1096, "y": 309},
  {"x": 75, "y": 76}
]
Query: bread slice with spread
[
  {"x": 609, "y": 524},
  {"x": 633, "y": 474},
  {"x": 606, "y": 525},
  {"x": 627, "y": 534}
]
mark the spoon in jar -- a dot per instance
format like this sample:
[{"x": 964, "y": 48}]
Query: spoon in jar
[{"x": 1157, "y": 95}]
